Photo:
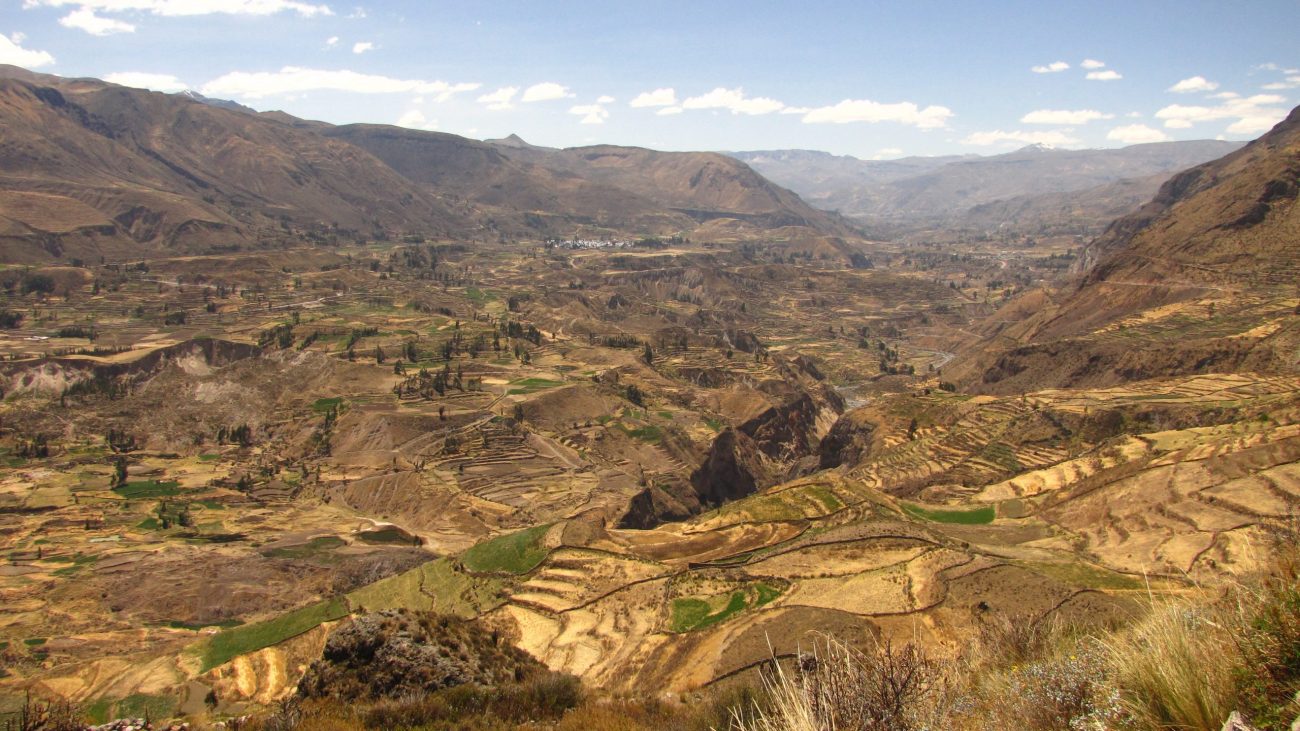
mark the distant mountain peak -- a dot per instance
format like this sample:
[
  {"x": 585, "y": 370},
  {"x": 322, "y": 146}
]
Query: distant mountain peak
[
  {"x": 512, "y": 140},
  {"x": 220, "y": 103}
]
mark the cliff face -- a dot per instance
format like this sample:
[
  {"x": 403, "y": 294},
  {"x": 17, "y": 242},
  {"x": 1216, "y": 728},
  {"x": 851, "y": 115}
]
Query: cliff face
[
  {"x": 781, "y": 442},
  {"x": 735, "y": 467},
  {"x": 848, "y": 442},
  {"x": 55, "y": 374}
]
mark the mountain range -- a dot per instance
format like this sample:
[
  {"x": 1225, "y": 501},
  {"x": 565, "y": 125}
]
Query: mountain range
[
  {"x": 1035, "y": 189},
  {"x": 92, "y": 169}
]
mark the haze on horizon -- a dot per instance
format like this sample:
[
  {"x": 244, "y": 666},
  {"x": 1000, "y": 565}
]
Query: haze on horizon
[{"x": 870, "y": 80}]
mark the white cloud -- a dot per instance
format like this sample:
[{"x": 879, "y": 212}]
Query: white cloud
[
  {"x": 865, "y": 110},
  {"x": 502, "y": 98},
  {"x": 1063, "y": 116},
  {"x": 607, "y": 99},
  {"x": 1107, "y": 75},
  {"x": 1051, "y": 68},
  {"x": 733, "y": 100},
  {"x": 190, "y": 7},
  {"x": 887, "y": 152},
  {"x": 591, "y": 113},
  {"x": 1135, "y": 134},
  {"x": 142, "y": 80},
  {"x": 658, "y": 98},
  {"x": 1181, "y": 112},
  {"x": 12, "y": 52},
  {"x": 96, "y": 25},
  {"x": 1038, "y": 137},
  {"x": 1092, "y": 63},
  {"x": 796, "y": 110},
  {"x": 18, "y": 37},
  {"x": 1226, "y": 95},
  {"x": 1194, "y": 84},
  {"x": 332, "y": 41},
  {"x": 668, "y": 111},
  {"x": 545, "y": 92},
  {"x": 1253, "y": 114},
  {"x": 1255, "y": 124},
  {"x": 292, "y": 80},
  {"x": 1290, "y": 82},
  {"x": 415, "y": 119},
  {"x": 362, "y": 46}
]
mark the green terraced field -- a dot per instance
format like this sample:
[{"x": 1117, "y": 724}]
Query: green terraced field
[
  {"x": 977, "y": 516},
  {"x": 148, "y": 489},
  {"x": 229, "y": 644},
  {"x": 514, "y": 553}
]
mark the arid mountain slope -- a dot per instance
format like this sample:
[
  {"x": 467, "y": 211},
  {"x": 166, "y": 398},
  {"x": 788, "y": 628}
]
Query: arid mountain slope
[
  {"x": 703, "y": 185},
  {"x": 1201, "y": 279},
  {"x": 528, "y": 198},
  {"x": 99, "y": 169},
  {"x": 1076, "y": 212}
]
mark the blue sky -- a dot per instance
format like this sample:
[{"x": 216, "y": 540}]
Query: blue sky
[{"x": 871, "y": 79}]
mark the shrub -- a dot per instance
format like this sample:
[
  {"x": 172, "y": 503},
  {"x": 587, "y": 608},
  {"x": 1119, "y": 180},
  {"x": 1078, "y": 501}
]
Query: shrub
[
  {"x": 1008, "y": 640},
  {"x": 1067, "y": 690},
  {"x": 892, "y": 688},
  {"x": 39, "y": 283},
  {"x": 52, "y": 715},
  {"x": 545, "y": 697},
  {"x": 10, "y": 320}
]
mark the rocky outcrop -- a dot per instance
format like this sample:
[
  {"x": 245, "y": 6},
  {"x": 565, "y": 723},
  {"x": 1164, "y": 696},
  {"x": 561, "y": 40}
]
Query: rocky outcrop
[
  {"x": 774, "y": 445},
  {"x": 735, "y": 467},
  {"x": 848, "y": 442},
  {"x": 392, "y": 654},
  {"x": 661, "y": 503}
]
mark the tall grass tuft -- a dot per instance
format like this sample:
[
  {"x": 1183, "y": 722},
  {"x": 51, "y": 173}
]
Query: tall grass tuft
[
  {"x": 1174, "y": 668},
  {"x": 1268, "y": 641}
]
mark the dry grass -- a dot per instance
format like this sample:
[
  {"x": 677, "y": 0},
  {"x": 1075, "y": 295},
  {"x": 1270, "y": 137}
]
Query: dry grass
[
  {"x": 1008, "y": 640},
  {"x": 713, "y": 712},
  {"x": 894, "y": 688},
  {"x": 1174, "y": 668},
  {"x": 550, "y": 702},
  {"x": 1189, "y": 664},
  {"x": 1268, "y": 641}
]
